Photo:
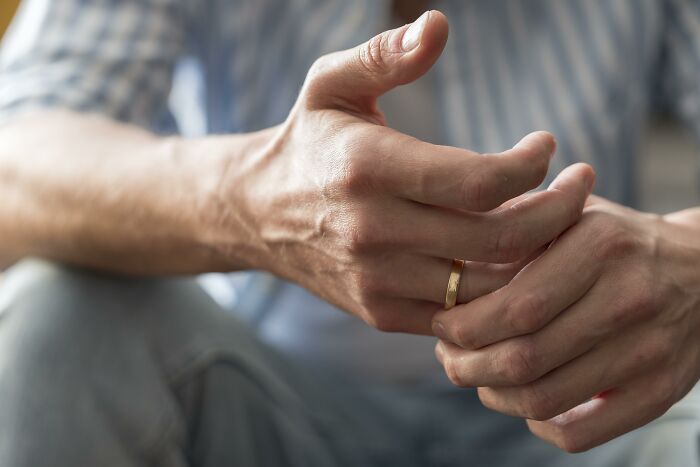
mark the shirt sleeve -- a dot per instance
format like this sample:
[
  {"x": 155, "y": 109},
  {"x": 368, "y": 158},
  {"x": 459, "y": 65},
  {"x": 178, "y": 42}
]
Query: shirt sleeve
[
  {"x": 113, "y": 57},
  {"x": 680, "y": 73}
]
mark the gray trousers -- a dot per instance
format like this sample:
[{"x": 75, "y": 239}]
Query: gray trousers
[{"x": 104, "y": 371}]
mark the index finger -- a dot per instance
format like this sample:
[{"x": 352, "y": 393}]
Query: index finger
[
  {"x": 456, "y": 178},
  {"x": 543, "y": 289},
  {"x": 604, "y": 417}
]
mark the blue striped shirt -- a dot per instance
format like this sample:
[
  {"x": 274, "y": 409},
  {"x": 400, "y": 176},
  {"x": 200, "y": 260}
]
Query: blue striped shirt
[{"x": 589, "y": 71}]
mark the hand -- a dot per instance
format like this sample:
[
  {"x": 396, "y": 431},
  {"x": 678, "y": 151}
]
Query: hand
[
  {"x": 369, "y": 218},
  {"x": 596, "y": 337}
]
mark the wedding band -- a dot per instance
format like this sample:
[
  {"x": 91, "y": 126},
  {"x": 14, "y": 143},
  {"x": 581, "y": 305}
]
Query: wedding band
[{"x": 453, "y": 283}]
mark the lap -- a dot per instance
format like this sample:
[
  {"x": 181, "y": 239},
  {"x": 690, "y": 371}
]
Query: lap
[
  {"x": 98, "y": 370},
  {"x": 153, "y": 372}
]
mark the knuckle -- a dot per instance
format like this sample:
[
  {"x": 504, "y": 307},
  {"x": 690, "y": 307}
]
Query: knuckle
[
  {"x": 661, "y": 346},
  {"x": 618, "y": 243},
  {"x": 596, "y": 223},
  {"x": 453, "y": 372},
  {"x": 361, "y": 234},
  {"x": 317, "y": 76},
  {"x": 525, "y": 312},
  {"x": 464, "y": 337},
  {"x": 664, "y": 393},
  {"x": 538, "y": 403},
  {"x": 383, "y": 321},
  {"x": 520, "y": 363},
  {"x": 372, "y": 55},
  {"x": 358, "y": 168},
  {"x": 510, "y": 243},
  {"x": 318, "y": 67},
  {"x": 479, "y": 189},
  {"x": 639, "y": 305},
  {"x": 656, "y": 350},
  {"x": 369, "y": 286},
  {"x": 614, "y": 241}
]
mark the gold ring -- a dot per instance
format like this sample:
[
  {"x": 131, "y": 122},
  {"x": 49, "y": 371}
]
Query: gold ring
[{"x": 453, "y": 283}]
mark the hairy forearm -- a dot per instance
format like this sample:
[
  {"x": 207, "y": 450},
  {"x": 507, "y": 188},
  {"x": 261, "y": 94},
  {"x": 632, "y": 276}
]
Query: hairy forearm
[{"x": 89, "y": 191}]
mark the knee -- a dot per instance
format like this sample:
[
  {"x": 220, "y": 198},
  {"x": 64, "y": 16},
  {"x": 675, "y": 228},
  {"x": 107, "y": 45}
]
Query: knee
[
  {"x": 74, "y": 352},
  {"x": 55, "y": 315},
  {"x": 82, "y": 320}
]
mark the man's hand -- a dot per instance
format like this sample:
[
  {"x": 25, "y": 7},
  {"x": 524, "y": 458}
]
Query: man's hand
[
  {"x": 362, "y": 215},
  {"x": 594, "y": 338},
  {"x": 369, "y": 218}
]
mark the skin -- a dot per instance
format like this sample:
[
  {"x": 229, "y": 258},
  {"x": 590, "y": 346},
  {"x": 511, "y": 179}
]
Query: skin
[
  {"x": 369, "y": 219},
  {"x": 596, "y": 337},
  {"x": 332, "y": 199}
]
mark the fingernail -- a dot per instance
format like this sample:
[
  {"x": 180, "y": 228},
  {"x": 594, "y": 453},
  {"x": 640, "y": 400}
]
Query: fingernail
[
  {"x": 412, "y": 36},
  {"x": 439, "y": 330}
]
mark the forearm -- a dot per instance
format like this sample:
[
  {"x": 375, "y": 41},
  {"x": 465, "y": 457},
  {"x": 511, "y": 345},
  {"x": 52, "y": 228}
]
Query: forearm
[{"x": 86, "y": 190}]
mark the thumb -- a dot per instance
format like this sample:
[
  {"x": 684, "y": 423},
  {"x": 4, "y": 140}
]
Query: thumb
[
  {"x": 576, "y": 184},
  {"x": 355, "y": 78},
  {"x": 577, "y": 179}
]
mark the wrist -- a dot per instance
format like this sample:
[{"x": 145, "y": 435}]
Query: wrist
[
  {"x": 686, "y": 225},
  {"x": 683, "y": 228},
  {"x": 679, "y": 247},
  {"x": 223, "y": 222}
]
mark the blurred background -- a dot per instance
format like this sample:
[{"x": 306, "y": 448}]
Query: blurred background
[
  {"x": 670, "y": 179},
  {"x": 669, "y": 171}
]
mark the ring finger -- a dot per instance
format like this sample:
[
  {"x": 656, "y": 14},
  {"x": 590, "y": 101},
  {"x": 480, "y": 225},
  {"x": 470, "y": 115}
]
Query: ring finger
[{"x": 425, "y": 278}]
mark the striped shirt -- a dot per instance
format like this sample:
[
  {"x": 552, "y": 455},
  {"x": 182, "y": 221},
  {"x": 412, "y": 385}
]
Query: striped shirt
[{"x": 591, "y": 72}]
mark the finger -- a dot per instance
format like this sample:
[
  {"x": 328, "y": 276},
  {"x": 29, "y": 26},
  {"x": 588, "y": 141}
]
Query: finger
[
  {"x": 504, "y": 235},
  {"x": 402, "y": 315},
  {"x": 456, "y": 178},
  {"x": 604, "y": 368},
  {"x": 353, "y": 79},
  {"x": 544, "y": 288},
  {"x": 425, "y": 278},
  {"x": 592, "y": 199},
  {"x": 608, "y": 416},
  {"x": 513, "y": 201},
  {"x": 524, "y": 359}
]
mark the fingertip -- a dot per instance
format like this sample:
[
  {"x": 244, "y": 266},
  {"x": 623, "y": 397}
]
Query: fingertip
[
  {"x": 590, "y": 175},
  {"x": 434, "y": 36},
  {"x": 579, "y": 172},
  {"x": 541, "y": 141},
  {"x": 438, "y": 25},
  {"x": 421, "y": 43},
  {"x": 429, "y": 30},
  {"x": 437, "y": 15},
  {"x": 547, "y": 139}
]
